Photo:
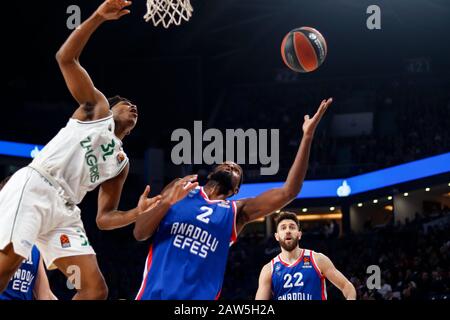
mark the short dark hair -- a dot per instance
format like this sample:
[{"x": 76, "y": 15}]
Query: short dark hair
[
  {"x": 286, "y": 215},
  {"x": 4, "y": 181},
  {"x": 117, "y": 99}
]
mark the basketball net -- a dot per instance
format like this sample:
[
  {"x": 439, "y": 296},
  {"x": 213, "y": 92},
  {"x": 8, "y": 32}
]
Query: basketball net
[{"x": 168, "y": 12}]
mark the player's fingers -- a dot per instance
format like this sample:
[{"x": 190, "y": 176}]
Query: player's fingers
[
  {"x": 327, "y": 104},
  {"x": 323, "y": 107},
  {"x": 124, "y": 12},
  {"x": 146, "y": 192},
  {"x": 307, "y": 117},
  {"x": 192, "y": 186},
  {"x": 155, "y": 199},
  {"x": 187, "y": 185},
  {"x": 190, "y": 178}
]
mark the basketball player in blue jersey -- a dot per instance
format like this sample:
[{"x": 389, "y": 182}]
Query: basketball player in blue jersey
[
  {"x": 296, "y": 273},
  {"x": 192, "y": 227},
  {"x": 39, "y": 204},
  {"x": 30, "y": 280}
]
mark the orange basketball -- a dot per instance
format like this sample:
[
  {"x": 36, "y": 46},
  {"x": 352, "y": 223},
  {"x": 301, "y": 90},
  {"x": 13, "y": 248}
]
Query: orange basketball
[{"x": 304, "y": 49}]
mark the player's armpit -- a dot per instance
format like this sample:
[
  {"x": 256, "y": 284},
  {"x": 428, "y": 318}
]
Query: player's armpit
[
  {"x": 265, "y": 284},
  {"x": 266, "y": 203},
  {"x": 93, "y": 104}
]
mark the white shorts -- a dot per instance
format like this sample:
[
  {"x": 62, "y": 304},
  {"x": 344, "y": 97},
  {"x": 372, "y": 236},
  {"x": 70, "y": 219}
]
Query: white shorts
[{"x": 32, "y": 212}]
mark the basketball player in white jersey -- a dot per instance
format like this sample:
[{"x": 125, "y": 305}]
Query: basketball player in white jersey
[
  {"x": 297, "y": 273},
  {"x": 39, "y": 203}
]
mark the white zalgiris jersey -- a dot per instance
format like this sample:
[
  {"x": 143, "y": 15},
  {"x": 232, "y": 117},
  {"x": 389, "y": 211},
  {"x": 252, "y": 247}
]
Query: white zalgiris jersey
[{"x": 82, "y": 156}]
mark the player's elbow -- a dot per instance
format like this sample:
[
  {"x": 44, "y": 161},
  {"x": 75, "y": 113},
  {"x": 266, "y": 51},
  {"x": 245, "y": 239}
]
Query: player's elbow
[
  {"x": 63, "y": 58},
  {"x": 102, "y": 223},
  {"x": 350, "y": 291}
]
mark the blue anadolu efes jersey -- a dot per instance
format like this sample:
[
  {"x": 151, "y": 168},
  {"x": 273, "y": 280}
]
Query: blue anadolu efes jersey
[{"x": 188, "y": 255}]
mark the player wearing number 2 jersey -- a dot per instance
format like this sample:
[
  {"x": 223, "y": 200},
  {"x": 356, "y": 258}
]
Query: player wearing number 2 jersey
[
  {"x": 296, "y": 273},
  {"x": 192, "y": 227}
]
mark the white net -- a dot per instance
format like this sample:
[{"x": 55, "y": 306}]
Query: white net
[{"x": 168, "y": 12}]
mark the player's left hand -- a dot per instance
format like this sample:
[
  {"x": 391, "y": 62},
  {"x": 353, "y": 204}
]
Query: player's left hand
[
  {"x": 113, "y": 9},
  {"x": 145, "y": 203},
  {"x": 310, "y": 124}
]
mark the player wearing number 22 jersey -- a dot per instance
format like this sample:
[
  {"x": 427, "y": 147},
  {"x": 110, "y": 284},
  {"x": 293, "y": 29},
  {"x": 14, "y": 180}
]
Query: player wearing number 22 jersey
[{"x": 296, "y": 273}]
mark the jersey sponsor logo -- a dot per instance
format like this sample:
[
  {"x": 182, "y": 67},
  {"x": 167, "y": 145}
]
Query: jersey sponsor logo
[
  {"x": 295, "y": 296},
  {"x": 65, "y": 241},
  {"x": 199, "y": 242},
  {"x": 306, "y": 262},
  {"x": 91, "y": 159}
]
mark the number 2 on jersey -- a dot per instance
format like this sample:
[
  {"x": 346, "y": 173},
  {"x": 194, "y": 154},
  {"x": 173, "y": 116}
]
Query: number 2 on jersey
[{"x": 204, "y": 216}]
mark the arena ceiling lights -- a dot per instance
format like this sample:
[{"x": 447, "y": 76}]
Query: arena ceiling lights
[{"x": 329, "y": 188}]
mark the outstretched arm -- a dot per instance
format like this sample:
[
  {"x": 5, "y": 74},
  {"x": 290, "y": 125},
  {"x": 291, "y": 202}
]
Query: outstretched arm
[
  {"x": 108, "y": 215},
  {"x": 275, "y": 199},
  {"x": 335, "y": 276},
  {"x": 265, "y": 284},
  {"x": 93, "y": 104}
]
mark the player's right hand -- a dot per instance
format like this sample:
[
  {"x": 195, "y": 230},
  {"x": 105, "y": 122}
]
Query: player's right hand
[
  {"x": 180, "y": 189},
  {"x": 145, "y": 203},
  {"x": 113, "y": 9}
]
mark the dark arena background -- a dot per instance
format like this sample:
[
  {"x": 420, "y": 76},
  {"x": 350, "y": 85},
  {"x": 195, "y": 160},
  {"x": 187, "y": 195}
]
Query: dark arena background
[{"x": 391, "y": 90}]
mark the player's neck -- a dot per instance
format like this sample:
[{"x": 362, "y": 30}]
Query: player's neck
[
  {"x": 212, "y": 191},
  {"x": 291, "y": 256},
  {"x": 120, "y": 132}
]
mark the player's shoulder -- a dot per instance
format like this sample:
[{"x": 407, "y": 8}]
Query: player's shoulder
[
  {"x": 318, "y": 255},
  {"x": 267, "y": 268},
  {"x": 322, "y": 261}
]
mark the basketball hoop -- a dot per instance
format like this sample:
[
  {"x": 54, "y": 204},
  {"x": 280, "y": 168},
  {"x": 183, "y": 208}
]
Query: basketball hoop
[{"x": 168, "y": 12}]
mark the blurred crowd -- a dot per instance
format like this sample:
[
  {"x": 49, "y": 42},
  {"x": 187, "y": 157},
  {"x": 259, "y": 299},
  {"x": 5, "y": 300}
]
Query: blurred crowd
[
  {"x": 411, "y": 118},
  {"x": 413, "y": 258}
]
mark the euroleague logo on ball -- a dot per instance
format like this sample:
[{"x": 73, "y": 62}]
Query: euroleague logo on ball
[{"x": 312, "y": 36}]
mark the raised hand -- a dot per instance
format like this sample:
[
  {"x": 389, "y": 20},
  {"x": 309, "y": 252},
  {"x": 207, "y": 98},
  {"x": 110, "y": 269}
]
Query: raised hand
[
  {"x": 113, "y": 9},
  {"x": 180, "y": 189},
  {"x": 145, "y": 203},
  {"x": 310, "y": 124}
]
